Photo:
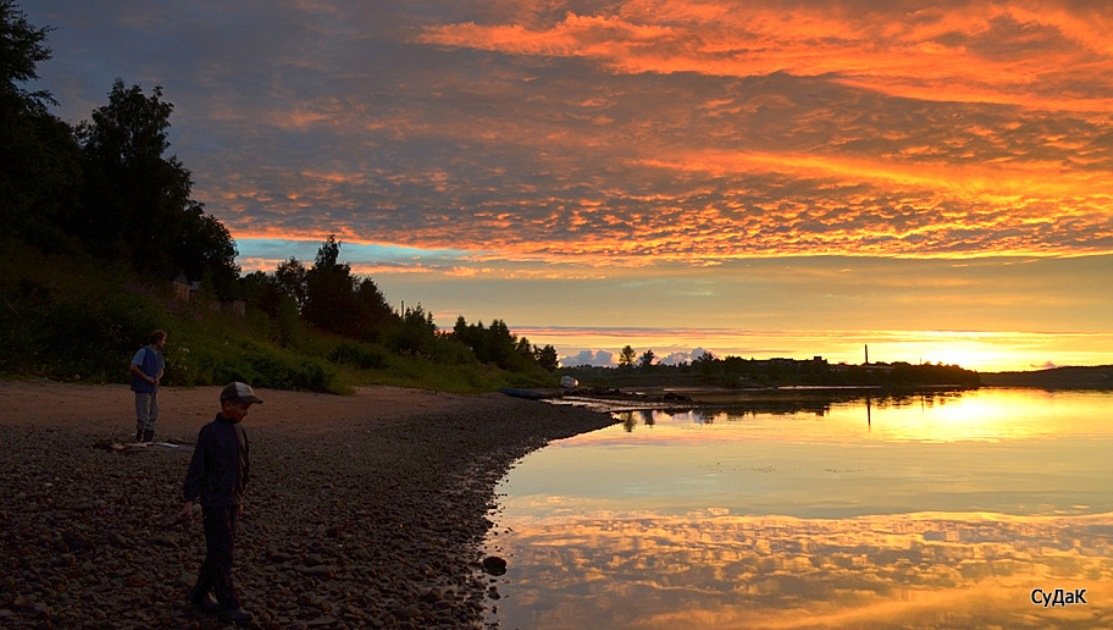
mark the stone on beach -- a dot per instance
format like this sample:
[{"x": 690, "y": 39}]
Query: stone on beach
[{"x": 494, "y": 565}]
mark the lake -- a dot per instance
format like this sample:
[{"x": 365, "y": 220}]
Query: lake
[{"x": 960, "y": 509}]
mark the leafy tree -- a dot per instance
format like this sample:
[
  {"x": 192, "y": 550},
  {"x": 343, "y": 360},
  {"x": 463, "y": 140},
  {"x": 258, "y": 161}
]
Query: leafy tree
[
  {"x": 263, "y": 293},
  {"x": 21, "y": 49},
  {"x": 135, "y": 203},
  {"x": 40, "y": 179},
  {"x": 330, "y": 292},
  {"x": 291, "y": 280},
  {"x": 546, "y": 357},
  {"x": 375, "y": 314},
  {"x": 647, "y": 359},
  {"x": 332, "y": 299},
  {"x": 524, "y": 348},
  {"x": 498, "y": 346},
  {"x": 259, "y": 290},
  {"x": 417, "y": 334},
  {"x": 40, "y": 170},
  {"x": 130, "y": 190},
  {"x": 627, "y": 357},
  {"x": 705, "y": 363},
  {"x": 202, "y": 247},
  {"x": 460, "y": 328}
]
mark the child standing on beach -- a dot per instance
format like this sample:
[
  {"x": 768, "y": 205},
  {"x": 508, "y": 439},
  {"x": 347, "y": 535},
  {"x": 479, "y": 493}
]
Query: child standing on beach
[
  {"x": 146, "y": 369},
  {"x": 217, "y": 475}
]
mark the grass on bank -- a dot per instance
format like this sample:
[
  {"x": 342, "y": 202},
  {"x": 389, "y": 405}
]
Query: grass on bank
[{"x": 69, "y": 318}]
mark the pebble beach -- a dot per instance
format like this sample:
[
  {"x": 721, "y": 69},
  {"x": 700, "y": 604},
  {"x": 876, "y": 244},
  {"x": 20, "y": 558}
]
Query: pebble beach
[{"x": 366, "y": 510}]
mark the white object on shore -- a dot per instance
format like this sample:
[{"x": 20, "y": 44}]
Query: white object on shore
[
  {"x": 567, "y": 382},
  {"x": 129, "y": 446}
]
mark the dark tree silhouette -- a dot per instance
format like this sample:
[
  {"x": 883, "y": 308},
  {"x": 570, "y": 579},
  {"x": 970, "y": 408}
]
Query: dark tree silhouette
[
  {"x": 21, "y": 50},
  {"x": 330, "y": 292},
  {"x": 627, "y": 357},
  {"x": 40, "y": 169},
  {"x": 136, "y": 205},
  {"x": 497, "y": 345},
  {"x": 336, "y": 301},
  {"x": 374, "y": 311},
  {"x": 546, "y": 357},
  {"x": 417, "y": 334},
  {"x": 291, "y": 279}
]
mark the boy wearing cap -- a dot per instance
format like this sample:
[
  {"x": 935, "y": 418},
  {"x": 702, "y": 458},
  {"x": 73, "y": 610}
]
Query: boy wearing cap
[{"x": 217, "y": 475}]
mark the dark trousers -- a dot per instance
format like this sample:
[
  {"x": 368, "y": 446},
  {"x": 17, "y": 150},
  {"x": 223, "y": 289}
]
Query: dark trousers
[{"x": 216, "y": 572}]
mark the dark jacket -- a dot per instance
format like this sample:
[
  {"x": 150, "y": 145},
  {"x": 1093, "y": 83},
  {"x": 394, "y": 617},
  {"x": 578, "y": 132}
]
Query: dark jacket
[{"x": 218, "y": 471}]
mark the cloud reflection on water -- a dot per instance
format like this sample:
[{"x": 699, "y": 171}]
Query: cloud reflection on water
[
  {"x": 946, "y": 510},
  {"x": 714, "y": 569}
]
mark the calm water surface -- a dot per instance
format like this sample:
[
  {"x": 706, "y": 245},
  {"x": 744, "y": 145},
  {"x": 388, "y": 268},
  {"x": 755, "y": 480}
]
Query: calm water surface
[{"x": 942, "y": 510}]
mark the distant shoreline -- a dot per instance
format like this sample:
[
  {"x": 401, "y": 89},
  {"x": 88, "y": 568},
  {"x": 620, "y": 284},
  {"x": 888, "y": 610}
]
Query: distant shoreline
[
  {"x": 632, "y": 395},
  {"x": 1090, "y": 377}
]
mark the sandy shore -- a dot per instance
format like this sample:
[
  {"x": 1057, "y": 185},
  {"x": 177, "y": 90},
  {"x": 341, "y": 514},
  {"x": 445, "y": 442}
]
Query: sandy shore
[{"x": 363, "y": 511}]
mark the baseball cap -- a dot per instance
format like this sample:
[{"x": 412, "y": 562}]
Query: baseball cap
[{"x": 240, "y": 392}]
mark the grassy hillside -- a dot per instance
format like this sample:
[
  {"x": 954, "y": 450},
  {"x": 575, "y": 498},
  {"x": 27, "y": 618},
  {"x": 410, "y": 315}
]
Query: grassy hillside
[{"x": 71, "y": 318}]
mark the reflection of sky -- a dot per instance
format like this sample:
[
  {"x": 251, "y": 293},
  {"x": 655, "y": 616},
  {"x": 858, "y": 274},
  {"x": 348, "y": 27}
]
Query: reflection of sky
[
  {"x": 939, "y": 514},
  {"x": 714, "y": 569}
]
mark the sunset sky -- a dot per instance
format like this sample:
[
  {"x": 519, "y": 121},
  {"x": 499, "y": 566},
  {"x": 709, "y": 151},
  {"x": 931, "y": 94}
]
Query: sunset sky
[{"x": 762, "y": 179}]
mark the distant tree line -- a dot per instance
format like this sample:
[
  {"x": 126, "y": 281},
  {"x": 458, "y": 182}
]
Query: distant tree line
[
  {"x": 105, "y": 189},
  {"x": 496, "y": 344},
  {"x": 330, "y": 297},
  {"x": 733, "y": 371}
]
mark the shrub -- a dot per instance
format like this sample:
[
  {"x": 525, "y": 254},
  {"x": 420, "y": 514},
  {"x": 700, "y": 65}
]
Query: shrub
[{"x": 357, "y": 355}]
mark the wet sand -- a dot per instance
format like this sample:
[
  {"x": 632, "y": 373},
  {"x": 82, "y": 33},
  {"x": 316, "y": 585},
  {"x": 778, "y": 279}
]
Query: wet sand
[{"x": 366, "y": 510}]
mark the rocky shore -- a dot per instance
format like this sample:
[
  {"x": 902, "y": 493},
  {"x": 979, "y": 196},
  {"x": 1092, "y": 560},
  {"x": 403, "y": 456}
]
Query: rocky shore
[{"x": 363, "y": 511}]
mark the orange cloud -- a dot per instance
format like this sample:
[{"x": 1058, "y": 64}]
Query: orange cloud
[
  {"x": 971, "y": 51},
  {"x": 699, "y": 132},
  {"x": 1017, "y": 181}
]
